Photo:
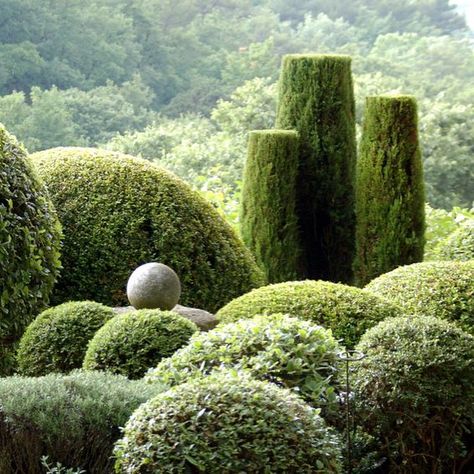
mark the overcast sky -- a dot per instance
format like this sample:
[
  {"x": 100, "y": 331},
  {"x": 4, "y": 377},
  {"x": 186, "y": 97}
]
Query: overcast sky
[{"x": 467, "y": 8}]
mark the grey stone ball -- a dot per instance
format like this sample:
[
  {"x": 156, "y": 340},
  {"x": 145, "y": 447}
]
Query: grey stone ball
[{"x": 153, "y": 286}]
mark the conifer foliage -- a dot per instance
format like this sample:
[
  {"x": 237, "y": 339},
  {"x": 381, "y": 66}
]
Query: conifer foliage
[
  {"x": 316, "y": 99},
  {"x": 390, "y": 192},
  {"x": 267, "y": 215}
]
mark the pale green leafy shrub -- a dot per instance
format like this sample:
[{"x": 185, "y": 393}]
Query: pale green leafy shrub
[{"x": 459, "y": 245}]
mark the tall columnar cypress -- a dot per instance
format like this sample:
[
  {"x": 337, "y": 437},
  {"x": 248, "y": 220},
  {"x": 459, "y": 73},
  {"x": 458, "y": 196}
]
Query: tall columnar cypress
[
  {"x": 390, "y": 192},
  {"x": 267, "y": 215},
  {"x": 316, "y": 98}
]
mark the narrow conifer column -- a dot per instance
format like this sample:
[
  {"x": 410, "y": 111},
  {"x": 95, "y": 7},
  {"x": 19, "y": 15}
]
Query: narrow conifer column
[
  {"x": 390, "y": 195},
  {"x": 316, "y": 99},
  {"x": 267, "y": 216}
]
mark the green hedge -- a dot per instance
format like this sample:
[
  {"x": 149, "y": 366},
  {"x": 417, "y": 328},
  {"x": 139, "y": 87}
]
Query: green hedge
[
  {"x": 131, "y": 343},
  {"x": 459, "y": 245},
  {"x": 440, "y": 289},
  {"x": 73, "y": 419},
  {"x": 415, "y": 393},
  {"x": 119, "y": 212},
  {"x": 29, "y": 250},
  {"x": 346, "y": 310},
  {"x": 227, "y": 423},
  {"x": 56, "y": 341}
]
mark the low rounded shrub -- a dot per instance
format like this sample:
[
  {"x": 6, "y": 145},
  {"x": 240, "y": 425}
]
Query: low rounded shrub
[
  {"x": 227, "y": 423},
  {"x": 73, "y": 419},
  {"x": 56, "y": 340},
  {"x": 346, "y": 310},
  {"x": 288, "y": 351},
  {"x": 415, "y": 393},
  {"x": 441, "y": 289},
  {"x": 131, "y": 343},
  {"x": 29, "y": 251},
  {"x": 119, "y": 212},
  {"x": 459, "y": 245}
]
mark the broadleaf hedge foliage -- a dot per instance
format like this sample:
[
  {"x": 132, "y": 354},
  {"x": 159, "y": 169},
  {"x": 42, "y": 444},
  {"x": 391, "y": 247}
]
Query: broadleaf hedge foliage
[
  {"x": 227, "y": 423},
  {"x": 459, "y": 245},
  {"x": 29, "y": 245},
  {"x": 119, "y": 212}
]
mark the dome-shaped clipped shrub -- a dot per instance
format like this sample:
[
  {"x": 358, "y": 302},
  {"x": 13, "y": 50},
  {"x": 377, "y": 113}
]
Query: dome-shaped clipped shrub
[
  {"x": 459, "y": 245},
  {"x": 277, "y": 348},
  {"x": 29, "y": 244},
  {"x": 441, "y": 289},
  {"x": 346, "y": 310},
  {"x": 119, "y": 212},
  {"x": 131, "y": 343},
  {"x": 415, "y": 393},
  {"x": 56, "y": 341},
  {"x": 227, "y": 423}
]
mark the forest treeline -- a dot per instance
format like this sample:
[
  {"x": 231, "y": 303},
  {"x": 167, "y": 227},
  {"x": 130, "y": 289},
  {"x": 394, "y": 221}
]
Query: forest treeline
[{"x": 182, "y": 82}]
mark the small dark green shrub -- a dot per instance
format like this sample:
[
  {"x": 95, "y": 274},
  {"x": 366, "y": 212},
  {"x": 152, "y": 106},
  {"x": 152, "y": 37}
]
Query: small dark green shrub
[
  {"x": 276, "y": 348},
  {"x": 346, "y": 310},
  {"x": 440, "y": 289},
  {"x": 227, "y": 423},
  {"x": 130, "y": 344},
  {"x": 72, "y": 419},
  {"x": 459, "y": 245},
  {"x": 119, "y": 212},
  {"x": 415, "y": 393},
  {"x": 29, "y": 250},
  {"x": 56, "y": 341}
]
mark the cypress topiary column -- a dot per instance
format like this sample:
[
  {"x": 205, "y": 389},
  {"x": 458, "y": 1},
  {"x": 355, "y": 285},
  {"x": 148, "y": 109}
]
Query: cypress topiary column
[
  {"x": 316, "y": 98},
  {"x": 267, "y": 215},
  {"x": 390, "y": 192}
]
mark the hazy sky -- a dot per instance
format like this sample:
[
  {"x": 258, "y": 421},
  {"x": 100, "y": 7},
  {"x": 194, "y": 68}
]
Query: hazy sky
[{"x": 466, "y": 7}]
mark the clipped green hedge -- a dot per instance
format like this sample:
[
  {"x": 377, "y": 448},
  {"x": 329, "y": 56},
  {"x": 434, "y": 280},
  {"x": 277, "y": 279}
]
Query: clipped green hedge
[
  {"x": 29, "y": 251},
  {"x": 415, "y": 393},
  {"x": 57, "y": 339},
  {"x": 346, "y": 310},
  {"x": 131, "y": 343},
  {"x": 227, "y": 423},
  {"x": 276, "y": 348},
  {"x": 459, "y": 245},
  {"x": 441, "y": 289},
  {"x": 119, "y": 212},
  {"x": 73, "y": 419}
]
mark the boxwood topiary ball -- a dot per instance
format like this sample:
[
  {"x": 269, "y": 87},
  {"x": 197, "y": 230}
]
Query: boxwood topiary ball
[
  {"x": 227, "y": 423},
  {"x": 119, "y": 212},
  {"x": 131, "y": 343},
  {"x": 440, "y": 289},
  {"x": 56, "y": 340},
  {"x": 459, "y": 245},
  {"x": 346, "y": 310},
  {"x": 29, "y": 251}
]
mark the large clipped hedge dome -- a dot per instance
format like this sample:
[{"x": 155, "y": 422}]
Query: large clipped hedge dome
[
  {"x": 459, "y": 245},
  {"x": 29, "y": 244},
  {"x": 227, "y": 423},
  {"x": 346, "y": 310},
  {"x": 440, "y": 289},
  {"x": 119, "y": 212}
]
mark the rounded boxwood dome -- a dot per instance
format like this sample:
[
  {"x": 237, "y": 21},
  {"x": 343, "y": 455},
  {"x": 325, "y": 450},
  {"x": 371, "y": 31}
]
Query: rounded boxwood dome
[
  {"x": 440, "y": 289},
  {"x": 415, "y": 393},
  {"x": 131, "y": 343},
  {"x": 119, "y": 212},
  {"x": 29, "y": 250},
  {"x": 276, "y": 348},
  {"x": 346, "y": 310},
  {"x": 227, "y": 423},
  {"x": 459, "y": 245},
  {"x": 57, "y": 339}
]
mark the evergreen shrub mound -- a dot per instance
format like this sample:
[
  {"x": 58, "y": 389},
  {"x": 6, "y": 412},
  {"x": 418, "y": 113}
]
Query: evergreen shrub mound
[
  {"x": 415, "y": 393},
  {"x": 73, "y": 419},
  {"x": 316, "y": 99},
  {"x": 440, "y": 289},
  {"x": 131, "y": 343},
  {"x": 459, "y": 245},
  {"x": 268, "y": 221},
  {"x": 227, "y": 423},
  {"x": 390, "y": 197},
  {"x": 57, "y": 339},
  {"x": 346, "y": 310},
  {"x": 29, "y": 251},
  {"x": 287, "y": 351},
  {"x": 119, "y": 212}
]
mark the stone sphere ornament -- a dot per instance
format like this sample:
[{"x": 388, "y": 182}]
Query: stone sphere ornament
[{"x": 153, "y": 286}]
